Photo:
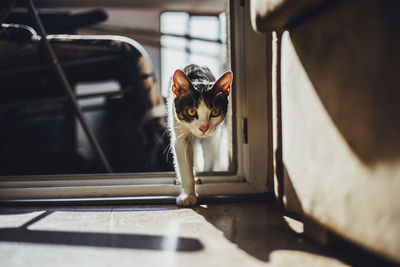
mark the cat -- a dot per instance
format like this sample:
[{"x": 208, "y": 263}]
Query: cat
[{"x": 197, "y": 108}]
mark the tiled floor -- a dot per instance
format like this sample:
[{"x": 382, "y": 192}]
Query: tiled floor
[{"x": 236, "y": 234}]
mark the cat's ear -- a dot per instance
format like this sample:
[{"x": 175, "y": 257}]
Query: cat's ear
[
  {"x": 224, "y": 83},
  {"x": 180, "y": 83}
]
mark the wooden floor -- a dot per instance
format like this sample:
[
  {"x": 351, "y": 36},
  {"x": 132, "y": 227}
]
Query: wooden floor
[{"x": 229, "y": 234}]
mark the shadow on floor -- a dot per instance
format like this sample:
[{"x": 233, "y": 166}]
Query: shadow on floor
[
  {"x": 261, "y": 228},
  {"x": 257, "y": 228},
  {"x": 127, "y": 241}
]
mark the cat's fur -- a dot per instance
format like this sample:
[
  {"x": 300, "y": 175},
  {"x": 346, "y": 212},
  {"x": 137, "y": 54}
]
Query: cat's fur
[{"x": 197, "y": 108}]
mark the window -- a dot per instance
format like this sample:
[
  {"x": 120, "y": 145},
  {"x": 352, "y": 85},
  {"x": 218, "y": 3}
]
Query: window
[
  {"x": 198, "y": 39},
  {"x": 187, "y": 41},
  {"x": 187, "y": 38}
]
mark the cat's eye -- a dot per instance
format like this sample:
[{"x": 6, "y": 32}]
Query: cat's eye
[
  {"x": 215, "y": 112},
  {"x": 191, "y": 112}
]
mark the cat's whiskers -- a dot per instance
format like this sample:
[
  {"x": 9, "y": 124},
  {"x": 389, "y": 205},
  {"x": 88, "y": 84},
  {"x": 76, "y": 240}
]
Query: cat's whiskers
[
  {"x": 178, "y": 127},
  {"x": 165, "y": 132},
  {"x": 169, "y": 148},
  {"x": 167, "y": 151},
  {"x": 181, "y": 135}
]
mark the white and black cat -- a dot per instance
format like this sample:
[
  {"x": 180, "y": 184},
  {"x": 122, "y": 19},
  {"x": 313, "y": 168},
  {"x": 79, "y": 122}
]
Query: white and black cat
[{"x": 197, "y": 107}]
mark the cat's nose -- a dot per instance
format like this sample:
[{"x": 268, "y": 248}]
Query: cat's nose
[{"x": 203, "y": 128}]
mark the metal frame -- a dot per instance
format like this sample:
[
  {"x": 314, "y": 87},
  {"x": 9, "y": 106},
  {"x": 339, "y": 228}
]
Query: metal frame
[
  {"x": 67, "y": 87},
  {"x": 69, "y": 63},
  {"x": 64, "y": 81},
  {"x": 253, "y": 174},
  {"x": 3, "y": 15}
]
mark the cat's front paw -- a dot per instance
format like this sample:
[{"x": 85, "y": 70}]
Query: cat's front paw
[{"x": 185, "y": 200}]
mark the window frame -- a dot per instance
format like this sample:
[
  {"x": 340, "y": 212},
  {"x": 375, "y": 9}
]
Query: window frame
[{"x": 252, "y": 147}]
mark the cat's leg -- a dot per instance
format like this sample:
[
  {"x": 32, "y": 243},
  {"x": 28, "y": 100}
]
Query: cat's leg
[{"x": 185, "y": 173}]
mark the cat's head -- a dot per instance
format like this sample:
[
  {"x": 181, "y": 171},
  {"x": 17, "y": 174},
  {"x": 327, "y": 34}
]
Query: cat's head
[{"x": 201, "y": 104}]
